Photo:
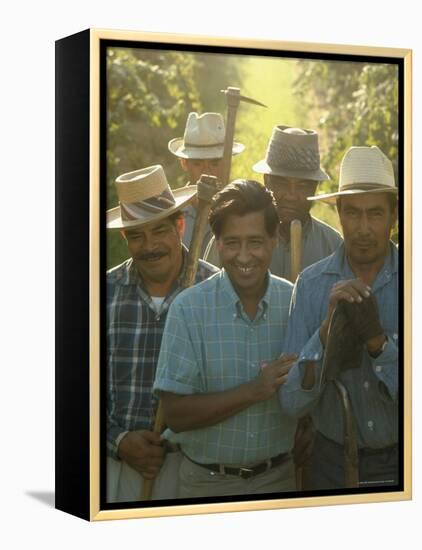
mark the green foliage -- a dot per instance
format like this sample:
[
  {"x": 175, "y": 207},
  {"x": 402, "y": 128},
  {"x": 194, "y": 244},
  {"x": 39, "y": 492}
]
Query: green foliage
[
  {"x": 149, "y": 92},
  {"x": 149, "y": 96},
  {"x": 268, "y": 80},
  {"x": 350, "y": 104}
]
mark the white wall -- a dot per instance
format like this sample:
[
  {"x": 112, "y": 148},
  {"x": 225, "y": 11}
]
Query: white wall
[{"x": 27, "y": 277}]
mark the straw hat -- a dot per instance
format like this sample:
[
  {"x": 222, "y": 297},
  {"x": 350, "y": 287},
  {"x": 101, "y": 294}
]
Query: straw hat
[
  {"x": 203, "y": 138},
  {"x": 145, "y": 196},
  {"x": 292, "y": 152},
  {"x": 362, "y": 170}
]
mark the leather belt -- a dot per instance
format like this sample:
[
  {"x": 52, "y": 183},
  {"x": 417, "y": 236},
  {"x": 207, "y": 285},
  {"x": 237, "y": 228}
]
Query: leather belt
[
  {"x": 363, "y": 451},
  {"x": 245, "y": 473}
]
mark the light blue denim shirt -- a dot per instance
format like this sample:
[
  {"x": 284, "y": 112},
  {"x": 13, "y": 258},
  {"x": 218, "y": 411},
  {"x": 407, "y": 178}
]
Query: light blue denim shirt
[
  {"x": 211, "y": 345},
  {"x": 372, "y": 388}
]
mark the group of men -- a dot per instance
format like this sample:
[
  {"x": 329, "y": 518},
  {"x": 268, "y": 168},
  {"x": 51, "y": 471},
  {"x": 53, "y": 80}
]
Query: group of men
[{"x": 238, "y": 359}]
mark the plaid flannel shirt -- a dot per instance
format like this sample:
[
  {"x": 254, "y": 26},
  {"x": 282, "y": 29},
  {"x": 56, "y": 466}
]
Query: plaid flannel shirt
[{"x": 134, "y": 332}]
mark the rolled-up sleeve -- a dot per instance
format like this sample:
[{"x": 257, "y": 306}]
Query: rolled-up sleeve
[
  {"x": 303, "y": 339},
  {"x": 178, "y": 368},
  {"x": 385, "y": 367}
]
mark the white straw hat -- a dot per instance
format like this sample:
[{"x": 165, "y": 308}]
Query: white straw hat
[
  {"x": 203, "y": 138},
  {"x": 362, "y": 170},
  {"x": 145, "y": 196}
]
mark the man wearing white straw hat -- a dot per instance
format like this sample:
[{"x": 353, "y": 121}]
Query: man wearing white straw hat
[
  {"x": 361, "y": 280},
  {"x": 200, "y": 151},
  {"x": 292, "y": 172},
  {"x": 139, "y": 293}
]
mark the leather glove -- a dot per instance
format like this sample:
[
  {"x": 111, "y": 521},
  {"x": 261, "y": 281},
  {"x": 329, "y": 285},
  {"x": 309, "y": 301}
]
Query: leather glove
[{"x": 363, "y": 318}]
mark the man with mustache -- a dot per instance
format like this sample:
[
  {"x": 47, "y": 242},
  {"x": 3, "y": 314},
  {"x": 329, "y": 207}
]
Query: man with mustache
[
  {"x": 220, "y": 363},
  {"x": 139, "y": 293},
  {"x": 361, "y": 281}
]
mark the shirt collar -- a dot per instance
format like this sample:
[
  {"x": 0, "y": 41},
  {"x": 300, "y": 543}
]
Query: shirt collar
[
  {"x": 233, "y": 297},
  {"x": 339, "y": 265}
]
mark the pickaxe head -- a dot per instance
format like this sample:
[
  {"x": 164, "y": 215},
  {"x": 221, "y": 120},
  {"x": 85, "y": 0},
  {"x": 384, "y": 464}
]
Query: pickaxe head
[{"x": 233, "y": 95}]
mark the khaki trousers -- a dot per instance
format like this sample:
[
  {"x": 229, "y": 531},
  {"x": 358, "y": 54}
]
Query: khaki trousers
[
  {"x": 124, "y": 484},
  {"x": 195, "y": 481}
]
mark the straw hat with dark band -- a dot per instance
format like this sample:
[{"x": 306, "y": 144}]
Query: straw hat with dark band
[
  {"x": 203, "y": 138},
  {"x": 145, "y": 196},
  {"x": 362, "y": 170}
]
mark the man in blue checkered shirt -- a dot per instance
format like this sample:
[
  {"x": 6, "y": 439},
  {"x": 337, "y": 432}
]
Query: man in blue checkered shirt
[
  {"x": 139, "y": 292},
  {"x": 221, "y": 361}
]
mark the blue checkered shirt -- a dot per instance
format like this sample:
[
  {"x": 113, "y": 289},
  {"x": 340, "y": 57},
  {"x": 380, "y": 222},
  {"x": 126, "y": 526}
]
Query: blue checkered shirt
[
  {"x": 211, "y": 345},
  {"x": 134, "y": 332}
]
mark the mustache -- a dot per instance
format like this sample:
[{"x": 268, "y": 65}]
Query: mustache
[{"x": 150, "y": 255}]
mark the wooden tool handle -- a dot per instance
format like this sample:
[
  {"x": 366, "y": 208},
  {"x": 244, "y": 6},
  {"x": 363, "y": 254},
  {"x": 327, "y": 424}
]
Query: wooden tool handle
[
  {"x": 158, "y": 426},
  {"x": 351, "y": 453},
  {"x": 207, "y": 188},
  {"x": 296, "y": 249}
]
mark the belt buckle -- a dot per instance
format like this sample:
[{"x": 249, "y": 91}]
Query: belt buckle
[{"x": 245, "y": 473}]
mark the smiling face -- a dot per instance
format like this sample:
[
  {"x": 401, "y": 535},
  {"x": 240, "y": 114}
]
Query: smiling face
[
  {"x": 156, "y": 249},
  {"x": 246, "y": 250},
  {"x": 290, "y": 195},
  {"x": 367, "y": 220}
]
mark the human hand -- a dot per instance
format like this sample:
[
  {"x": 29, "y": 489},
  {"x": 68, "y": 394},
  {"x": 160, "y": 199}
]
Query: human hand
[
  {"x": 272, "y": 375},
  {"x": 364, "y": 319},
  {"x": 144, "y": 451}
]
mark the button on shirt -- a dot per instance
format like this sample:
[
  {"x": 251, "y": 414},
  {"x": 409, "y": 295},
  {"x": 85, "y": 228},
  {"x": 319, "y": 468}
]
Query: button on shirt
[
  {"x": 318, "y": 241},
  {"x": 134, "y": 332},
  {"x": 211, "y": 345},
  {"x": 373, "y": 387}
]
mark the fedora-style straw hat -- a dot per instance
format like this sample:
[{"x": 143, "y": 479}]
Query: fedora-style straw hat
[
  {"x": 292, "y": 152},
  {"x": 145, "y": 196},
  {"x": 203, "y": 138},
  {"x": 362, "y": 170}
]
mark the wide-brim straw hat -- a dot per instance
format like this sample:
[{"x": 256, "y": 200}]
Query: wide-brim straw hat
[
  {"x": 362, "y": 170},
  {"x": 292, "y": 152},
  {"x": 145, "y": 196},
  {"x": 203, "y": 138}
]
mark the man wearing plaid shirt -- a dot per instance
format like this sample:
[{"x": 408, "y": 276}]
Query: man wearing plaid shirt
[
  {"x": 139, "y": 292},
  {"x": 221, "y": 361}
]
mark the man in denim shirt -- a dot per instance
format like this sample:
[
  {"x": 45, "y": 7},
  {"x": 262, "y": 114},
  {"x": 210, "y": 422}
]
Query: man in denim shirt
[{"x": 363, "y": 273}]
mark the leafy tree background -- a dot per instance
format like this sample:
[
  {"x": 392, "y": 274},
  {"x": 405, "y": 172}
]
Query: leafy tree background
[
  {"x": 350, "y": 104},
  {"x": 151, "y": 92}
]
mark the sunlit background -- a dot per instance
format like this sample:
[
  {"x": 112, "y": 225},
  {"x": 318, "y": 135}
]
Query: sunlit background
[{"x": 151, "y": 92}]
